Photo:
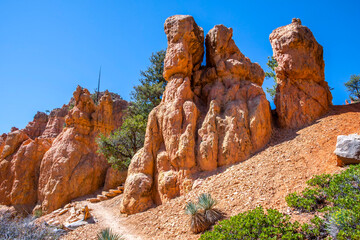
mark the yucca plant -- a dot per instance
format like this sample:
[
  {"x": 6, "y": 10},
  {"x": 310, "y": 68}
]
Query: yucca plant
[
  {"x": 107, "y": 234},
  {"x": 207, "y": 203},
  {"x": 198, "y": 222}
]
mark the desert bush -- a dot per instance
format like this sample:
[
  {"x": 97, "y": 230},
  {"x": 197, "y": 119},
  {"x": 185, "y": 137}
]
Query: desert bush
[
  {"x": 255, "y": 224},
  {"x": 198, "y": 222},
  {"x": 207, "y": 204},
  {"x": 315, "y": 229},
  {"x": 107, "y": 234},
  {"x": 24, "y": 229},
  {"x": 309, "y": 200},
  {"x": 338, "y": 197}
]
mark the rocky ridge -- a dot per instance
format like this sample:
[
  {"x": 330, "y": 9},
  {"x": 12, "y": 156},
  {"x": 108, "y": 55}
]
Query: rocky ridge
[{"x": 53, "y": 159}]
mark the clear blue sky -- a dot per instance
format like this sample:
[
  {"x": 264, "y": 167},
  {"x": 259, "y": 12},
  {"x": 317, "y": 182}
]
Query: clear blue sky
[{"x": 47, "y": 47}]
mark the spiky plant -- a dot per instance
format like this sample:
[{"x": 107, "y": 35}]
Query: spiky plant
[
  {"x": 207, "y": 203},
  {"x": 107, "y": 234},
  {"x": 198, "y": 222}
]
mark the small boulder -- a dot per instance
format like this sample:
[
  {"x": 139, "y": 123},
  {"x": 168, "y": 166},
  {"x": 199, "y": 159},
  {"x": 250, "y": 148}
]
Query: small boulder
[{"x": 348, "y": 149}]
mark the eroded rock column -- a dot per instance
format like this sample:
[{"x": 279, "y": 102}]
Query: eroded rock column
[
  {"x": 209, "y": 116},
  {"x": 302, "y": 94}
]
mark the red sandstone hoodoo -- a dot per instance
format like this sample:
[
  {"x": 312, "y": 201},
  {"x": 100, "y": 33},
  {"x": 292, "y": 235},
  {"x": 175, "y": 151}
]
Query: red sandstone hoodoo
[
  {"x": 209, "y": 116},
  {"x": 302, "y": 95},
  {"x": 217, "y": 114},
  {"x": 54, "y": 159}
]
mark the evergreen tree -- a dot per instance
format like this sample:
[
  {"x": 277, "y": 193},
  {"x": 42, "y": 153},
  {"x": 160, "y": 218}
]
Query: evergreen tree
[
  {"x": 353, "y": 87},
  {"x": 272, "y": 64},
  {"x": 120, "y": 146}
]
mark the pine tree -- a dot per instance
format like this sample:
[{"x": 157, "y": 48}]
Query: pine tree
[
  {"x": 120, "y": 146},
  {"x": 353, "y": 87},
  {"x": 272, "y": 64}
]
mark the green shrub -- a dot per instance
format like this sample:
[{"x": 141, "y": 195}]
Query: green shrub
[
  {"x": 338, "y": 196},
  {"x": 314, "y": 230},
  {"x": 321, "y": 181},
  {"x": 255, "y": 224},
  {"x": 112, "y": 148},
  {"x": 107, "y": 234},
  {"x": 307, "y": 201}
]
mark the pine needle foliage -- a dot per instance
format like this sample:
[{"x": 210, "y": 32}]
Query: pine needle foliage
[
  {"x": 353, "y": 87},
  {"x": 270, "y": 74},
  {"x": 121, "y": 145}
]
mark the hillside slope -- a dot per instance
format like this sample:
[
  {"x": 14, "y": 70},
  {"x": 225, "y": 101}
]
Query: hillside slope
[{"x": 290, "y": 159}]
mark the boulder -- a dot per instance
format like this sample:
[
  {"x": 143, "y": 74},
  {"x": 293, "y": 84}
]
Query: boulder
[
  {"x": 209, "y": 116},
  {"x": 348, "y": 149},
  {"x": 302, "y": 94}
]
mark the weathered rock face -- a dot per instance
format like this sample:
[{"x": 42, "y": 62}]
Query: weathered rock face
[
  {"x": 12, "y": 143},
  {"x": 114, "y": 178},
  {"x": 19, "y": 169},
  {"x": 302, "y": 95},
  {"x": 37, "y": 126},
  {"x": 50, "y": 162},
  {"x": 20, "y": 174},
  {"x": 185, "y": 46},
  {"x": 56, "y": 122},
  {"x": 71, "y": 167},
  {"x": 2, "y": 141},
  {"x": 348, "y": 149},
  {"x": 209, "y": 116}
]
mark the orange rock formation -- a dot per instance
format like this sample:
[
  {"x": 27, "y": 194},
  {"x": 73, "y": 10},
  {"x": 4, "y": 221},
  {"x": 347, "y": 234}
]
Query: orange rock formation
[
  {"x": 54, "y": 159},
  {"x": 209, "y": 116},
  {"x": 302, "y": 95}
]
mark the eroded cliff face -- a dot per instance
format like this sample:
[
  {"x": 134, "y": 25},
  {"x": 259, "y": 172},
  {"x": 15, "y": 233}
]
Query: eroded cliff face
[
  {"x": 71, "y": 167},
  {"x": 54, "y": 159},
  {"x": 209, "y": 116},
  {"x": 302, "y": 94}
]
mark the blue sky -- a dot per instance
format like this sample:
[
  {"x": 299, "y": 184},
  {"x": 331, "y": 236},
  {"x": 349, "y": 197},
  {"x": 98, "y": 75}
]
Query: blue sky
[{"x": 47, "y": 48}]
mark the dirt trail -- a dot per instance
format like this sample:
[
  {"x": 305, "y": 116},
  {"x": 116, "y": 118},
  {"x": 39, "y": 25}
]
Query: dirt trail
[{"x": 108, "y": 219}]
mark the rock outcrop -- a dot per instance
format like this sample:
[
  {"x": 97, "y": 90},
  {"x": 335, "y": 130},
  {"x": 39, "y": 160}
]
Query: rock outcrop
[
  {"x": 72, "y": 168},
  {"x": 302, "y": 95},
  {"x": 348, "y": 149},
  {"x": 54, "y": 159},
  {"x": 209, "y": 116},
  {"x": 36, "y": 128},
  {"x": 56, "y": 122}
]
